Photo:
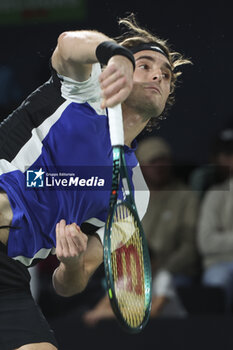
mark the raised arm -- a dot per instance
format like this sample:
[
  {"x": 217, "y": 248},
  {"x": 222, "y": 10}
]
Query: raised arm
[{"x": 76, "y": 52}]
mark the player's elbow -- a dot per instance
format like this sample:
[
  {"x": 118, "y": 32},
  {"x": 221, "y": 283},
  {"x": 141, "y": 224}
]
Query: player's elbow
[
  {"x": 69, "y": 41},
  {"x": 63, "y": 46}
]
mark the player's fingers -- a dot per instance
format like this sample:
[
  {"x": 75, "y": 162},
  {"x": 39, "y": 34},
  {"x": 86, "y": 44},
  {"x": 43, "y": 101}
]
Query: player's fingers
[
  {"x": 76, "y": 240},
  {"x": 80, "y": 239},
  {"x": 116, "y": 94},
  {"x": 62, "y": 245},
  {"x": 108, "y": 71},
  {"x": 119, "y": 97},
  {"x": 59, "y": 227},
  {"x": 110, "y": 79},
  {"x": 113, "y": 88},
  {"x": 72, "y": 247}
]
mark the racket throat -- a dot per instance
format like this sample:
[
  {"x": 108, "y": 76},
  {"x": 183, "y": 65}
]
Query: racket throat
[{"x": 115, "y": 175}]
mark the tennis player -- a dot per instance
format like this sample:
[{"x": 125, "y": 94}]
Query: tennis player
[{"x": 62, "y": 127}]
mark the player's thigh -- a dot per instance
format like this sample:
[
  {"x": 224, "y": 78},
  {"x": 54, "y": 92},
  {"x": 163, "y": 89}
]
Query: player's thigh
[{"x": 38, "y": 346}]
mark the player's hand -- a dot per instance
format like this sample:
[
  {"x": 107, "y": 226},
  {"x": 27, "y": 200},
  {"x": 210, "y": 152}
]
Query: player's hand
[
  {"x": 71, "y": 242},
  {"x": 116, "y": 81}
]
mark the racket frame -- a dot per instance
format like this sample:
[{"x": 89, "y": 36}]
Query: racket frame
[{"x": 120, "y": 170}]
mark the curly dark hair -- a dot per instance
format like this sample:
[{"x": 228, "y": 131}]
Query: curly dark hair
[{"x": 136, "y": 35}]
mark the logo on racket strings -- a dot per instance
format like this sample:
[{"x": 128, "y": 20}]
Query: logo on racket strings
[{"x": 129, "y": 269}]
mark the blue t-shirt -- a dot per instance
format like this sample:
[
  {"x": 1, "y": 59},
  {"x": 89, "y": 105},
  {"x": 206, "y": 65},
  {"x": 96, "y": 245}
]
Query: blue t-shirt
[{"x": 56, "y": 163}]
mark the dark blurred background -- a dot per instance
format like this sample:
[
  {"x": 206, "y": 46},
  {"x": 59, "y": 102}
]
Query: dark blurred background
[{"x": 201, "y": 31}]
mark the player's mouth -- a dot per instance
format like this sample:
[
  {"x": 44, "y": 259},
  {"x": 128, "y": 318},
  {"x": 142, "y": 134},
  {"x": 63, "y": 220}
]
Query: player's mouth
[{"x": 153, "y": 88}]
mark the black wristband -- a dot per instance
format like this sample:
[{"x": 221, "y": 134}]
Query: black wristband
[{"x": 107, "y": 49}]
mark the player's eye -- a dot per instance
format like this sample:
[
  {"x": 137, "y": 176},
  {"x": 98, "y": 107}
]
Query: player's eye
[
  {"x": 144, "y": 66},
  {"x": 166, "y": 75}
]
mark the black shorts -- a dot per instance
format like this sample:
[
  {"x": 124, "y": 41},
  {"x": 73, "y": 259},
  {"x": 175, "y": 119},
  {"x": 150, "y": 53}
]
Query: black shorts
[{"x": 21, "y": 320}]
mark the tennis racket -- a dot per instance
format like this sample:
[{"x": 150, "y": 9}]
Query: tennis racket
[{"x": 126, "y": 257}]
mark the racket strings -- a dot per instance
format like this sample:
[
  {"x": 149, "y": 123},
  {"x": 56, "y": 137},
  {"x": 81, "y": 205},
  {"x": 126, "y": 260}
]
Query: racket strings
[{"x": 128, "y": 266}]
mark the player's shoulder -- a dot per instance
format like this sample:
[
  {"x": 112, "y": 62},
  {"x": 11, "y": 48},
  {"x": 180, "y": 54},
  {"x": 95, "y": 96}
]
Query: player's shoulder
[{"x": 17, "y": 128}]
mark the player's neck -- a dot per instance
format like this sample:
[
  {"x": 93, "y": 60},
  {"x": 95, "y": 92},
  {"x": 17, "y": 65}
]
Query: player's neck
[{"x": 133, "y": 124}]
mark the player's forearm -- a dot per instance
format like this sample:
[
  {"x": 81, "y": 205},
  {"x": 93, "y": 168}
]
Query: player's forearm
[
  {"x": 79, "y": 257},
  {"x": 70, "y": 279},
  {"x": 80, "y": 46}
]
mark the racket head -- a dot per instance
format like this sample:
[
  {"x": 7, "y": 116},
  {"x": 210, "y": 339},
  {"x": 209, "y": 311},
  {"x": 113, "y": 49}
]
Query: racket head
[{"x": 127, "y": 267}]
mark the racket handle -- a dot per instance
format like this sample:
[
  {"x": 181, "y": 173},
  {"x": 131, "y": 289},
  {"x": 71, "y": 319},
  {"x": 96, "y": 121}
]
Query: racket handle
[{"x": 116, "y": 125}]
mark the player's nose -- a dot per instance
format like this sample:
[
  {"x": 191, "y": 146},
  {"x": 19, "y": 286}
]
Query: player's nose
[{"x": 157, "y": 75}]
